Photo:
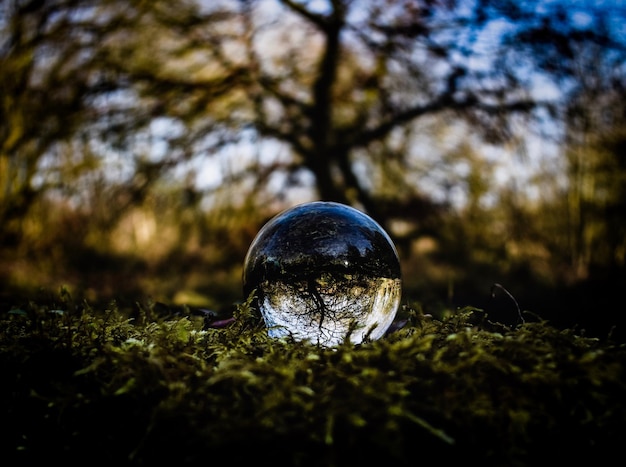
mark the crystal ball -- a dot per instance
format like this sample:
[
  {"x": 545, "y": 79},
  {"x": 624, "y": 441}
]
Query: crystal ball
[{"x": 324, "y": 272}]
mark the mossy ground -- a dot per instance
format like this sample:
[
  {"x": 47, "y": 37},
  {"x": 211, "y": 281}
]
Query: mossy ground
[{"x": 112, "y": 387}]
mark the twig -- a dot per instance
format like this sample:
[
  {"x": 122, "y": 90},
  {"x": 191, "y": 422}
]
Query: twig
[{"x": 493, "y": 294}]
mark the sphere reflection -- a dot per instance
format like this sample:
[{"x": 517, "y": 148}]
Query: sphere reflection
[{"x": 324, "y": 272}]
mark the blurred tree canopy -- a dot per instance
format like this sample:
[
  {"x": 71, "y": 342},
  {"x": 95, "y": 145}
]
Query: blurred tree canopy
[{"x": 485, "y": 133}]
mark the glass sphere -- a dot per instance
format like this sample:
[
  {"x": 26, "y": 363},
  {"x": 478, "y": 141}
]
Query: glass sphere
[{"x": 324, "y": 272}]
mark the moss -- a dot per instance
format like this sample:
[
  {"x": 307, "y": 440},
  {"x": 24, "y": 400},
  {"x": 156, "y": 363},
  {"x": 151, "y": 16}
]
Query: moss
[{"x": 132, "y": 387}]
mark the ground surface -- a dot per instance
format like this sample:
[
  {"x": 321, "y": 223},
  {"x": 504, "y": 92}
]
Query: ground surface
[{"x": 132, "y": 387}]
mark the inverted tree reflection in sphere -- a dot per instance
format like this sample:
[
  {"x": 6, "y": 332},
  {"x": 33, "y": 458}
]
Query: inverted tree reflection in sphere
[{"x": 322, "y": 272}]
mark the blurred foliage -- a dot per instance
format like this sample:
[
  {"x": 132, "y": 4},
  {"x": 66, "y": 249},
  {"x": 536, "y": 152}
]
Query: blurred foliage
[
  {"x": 143, "y": 144},
  {"x": 134, "y": 386}
]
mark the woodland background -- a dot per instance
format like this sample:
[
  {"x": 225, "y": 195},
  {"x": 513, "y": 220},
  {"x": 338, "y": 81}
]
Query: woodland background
[{"x": 144, "y": 144}]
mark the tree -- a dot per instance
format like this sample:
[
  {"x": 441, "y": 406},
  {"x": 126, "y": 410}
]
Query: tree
[
  {"x": 379, "y": 69},
  {"x": 74, "y": 91},
  {"x": 359, "y": 73},
  {"x": 585, "y": 54},
  {"x": 105, "y": 101}
]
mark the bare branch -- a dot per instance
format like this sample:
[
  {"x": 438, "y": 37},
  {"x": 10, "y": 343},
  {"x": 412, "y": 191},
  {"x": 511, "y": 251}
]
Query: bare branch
[{"x": 317, "y": 19}]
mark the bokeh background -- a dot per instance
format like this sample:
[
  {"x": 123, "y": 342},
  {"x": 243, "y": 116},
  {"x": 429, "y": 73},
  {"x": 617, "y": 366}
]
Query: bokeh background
[{"x": 144, "y": 144}]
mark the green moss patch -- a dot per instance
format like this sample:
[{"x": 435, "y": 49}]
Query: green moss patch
[{"x": 115, "y": 387}]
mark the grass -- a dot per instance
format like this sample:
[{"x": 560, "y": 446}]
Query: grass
[{"x": 111, "y": 386}]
